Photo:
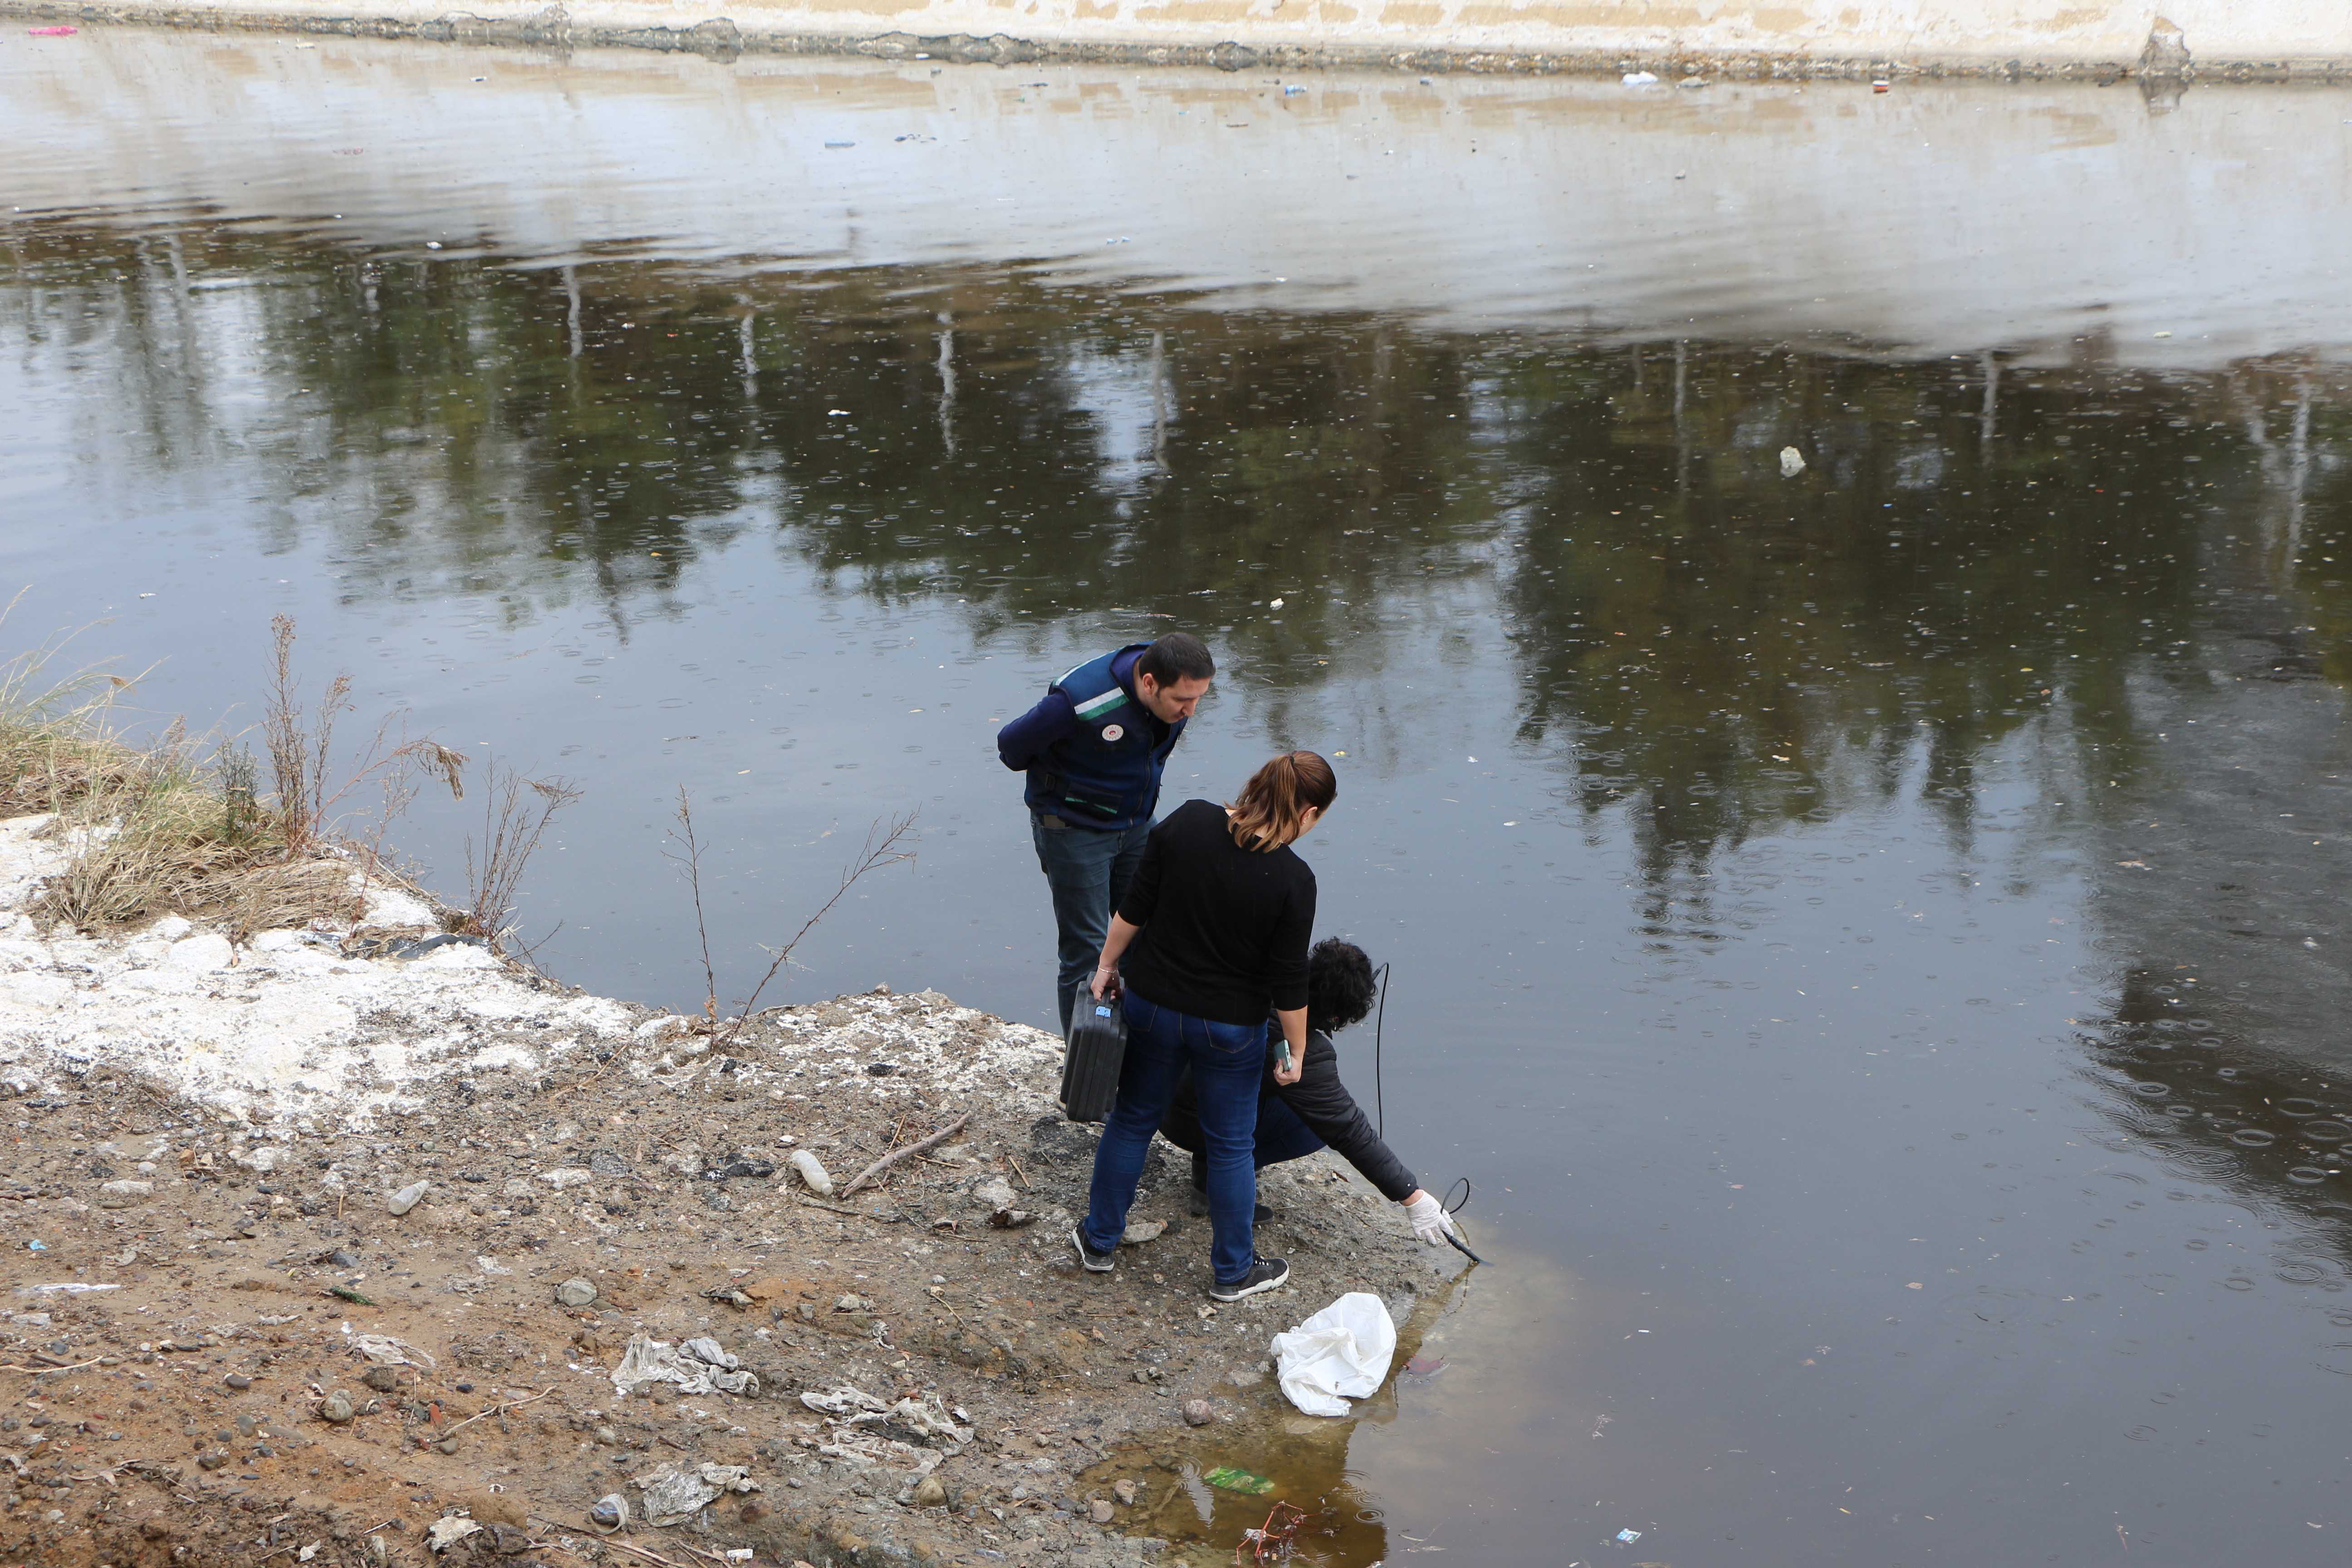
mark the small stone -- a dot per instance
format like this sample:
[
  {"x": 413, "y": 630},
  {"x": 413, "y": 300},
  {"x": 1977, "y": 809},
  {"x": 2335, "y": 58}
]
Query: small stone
[
  {"x": 1196, "y": 1413},
  {"x": 446, "y": 1446},
  {"x": 755, "y": 1511},
  {"x": 1139, "y": 1231},
  {"x": 237, "y": 1379},
  {"x": 1099, "y": 1511},
  {"x": 931, "y": 1492},
  {"x": 1124, "y": 1490},
  {"x": 408, "y": 1197},
  {"x": 382, "y": 1379},
  {"x": 211, "y": 1461},
  {"x": 849, "y": 1304},
  {"x": 342, "y": 1260},
  {"x": 508, "y": 1541},
  {"x": 606, "y": 1436},
  {"x": 337, "y": 1407},
  {"x": 576, "y": 1293},
  {"x": 124, "y": 1195},
  {"x": 1244, "y": 1377}
]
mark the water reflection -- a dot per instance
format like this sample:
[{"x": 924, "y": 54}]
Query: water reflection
[{"x": 1969, "y": 551}]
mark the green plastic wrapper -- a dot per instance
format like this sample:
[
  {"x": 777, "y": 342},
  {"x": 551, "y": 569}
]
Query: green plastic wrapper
[{"x": 1227, "y": 1478}]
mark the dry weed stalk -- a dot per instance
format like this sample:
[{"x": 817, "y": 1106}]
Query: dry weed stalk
[
  {"x": 690, "y": 867},
  {"x": 302, "y": 748},
  {"x": 516, "y": 810},
  {"x": 888, "y": 842}
]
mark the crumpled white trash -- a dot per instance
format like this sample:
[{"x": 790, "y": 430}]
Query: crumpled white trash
[
  {"x": 690, "y": 1366},
  {"x": 1342, "y": 1352},
  {"x": 673, "y": 1497}
]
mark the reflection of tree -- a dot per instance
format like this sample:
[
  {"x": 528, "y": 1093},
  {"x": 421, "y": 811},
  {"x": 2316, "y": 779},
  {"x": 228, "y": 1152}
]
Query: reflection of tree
[
  {"x": 1720, "y": 646},
  {"x": 1977, "y": 553}
]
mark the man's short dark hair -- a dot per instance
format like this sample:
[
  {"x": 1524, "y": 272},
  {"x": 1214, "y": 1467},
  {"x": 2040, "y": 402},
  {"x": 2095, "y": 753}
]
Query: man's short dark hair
[
  {"x": 1179, "y": 656},
  {"x": 1339, "y": 989}
]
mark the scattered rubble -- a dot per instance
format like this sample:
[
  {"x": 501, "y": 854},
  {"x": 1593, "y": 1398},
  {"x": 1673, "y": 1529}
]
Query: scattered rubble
[{"x": 432, "y": 1266}]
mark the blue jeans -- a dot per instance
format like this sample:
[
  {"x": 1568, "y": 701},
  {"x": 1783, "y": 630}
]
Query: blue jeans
[
  {"x": 1280, "y": 1136},
  {"x": 1225, "y": 1059},
  {"x": 1087, "y": 869}
]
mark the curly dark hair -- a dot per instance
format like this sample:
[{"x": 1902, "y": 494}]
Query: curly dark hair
[{"x": 1338, "y": 985}]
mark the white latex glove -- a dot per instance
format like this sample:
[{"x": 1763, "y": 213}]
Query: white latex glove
[{"x": 1430, "y": 1220}]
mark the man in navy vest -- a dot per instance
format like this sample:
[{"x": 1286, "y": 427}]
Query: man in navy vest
[{"x": 1094, "y": 749}]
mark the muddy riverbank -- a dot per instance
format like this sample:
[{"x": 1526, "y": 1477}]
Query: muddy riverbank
[{"x": 338, "y": 1255}]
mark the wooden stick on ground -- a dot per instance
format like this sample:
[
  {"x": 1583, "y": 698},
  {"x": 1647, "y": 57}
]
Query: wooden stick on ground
[
  {"x": 892, "y": 1158},
  {"x": 853, "y": 1214},
  {"x": 61, "y": 1366},
  {"x": 495, "y": 1409}
]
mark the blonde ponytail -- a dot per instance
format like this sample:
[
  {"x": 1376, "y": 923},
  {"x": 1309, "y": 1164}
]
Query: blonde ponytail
[{"x": 1273, "y": 807}]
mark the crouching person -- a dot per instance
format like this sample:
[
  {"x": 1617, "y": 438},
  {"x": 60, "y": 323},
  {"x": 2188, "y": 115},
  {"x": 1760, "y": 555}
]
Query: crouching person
[{"x": 1294, "y": 1120}]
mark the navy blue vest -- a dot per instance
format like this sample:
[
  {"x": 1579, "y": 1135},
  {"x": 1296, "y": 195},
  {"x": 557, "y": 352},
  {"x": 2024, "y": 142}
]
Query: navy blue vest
[{"x": 1107, "y": 775}]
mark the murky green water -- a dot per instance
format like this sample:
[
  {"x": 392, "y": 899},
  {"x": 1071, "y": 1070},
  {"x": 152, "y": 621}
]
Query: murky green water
[{"x": 1872, "y": 932}]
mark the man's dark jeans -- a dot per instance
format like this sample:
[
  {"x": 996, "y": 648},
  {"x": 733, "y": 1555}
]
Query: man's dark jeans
[{"x": 1087, "y": 869}]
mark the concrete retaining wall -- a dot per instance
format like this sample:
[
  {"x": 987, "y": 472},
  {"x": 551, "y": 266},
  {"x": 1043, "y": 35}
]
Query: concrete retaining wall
[{"x": 2204, "y": 38}]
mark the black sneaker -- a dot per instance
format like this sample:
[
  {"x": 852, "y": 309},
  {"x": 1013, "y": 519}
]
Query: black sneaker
[
  {"x": 1095, "y": 1262},
  {"x": 1198, "y": 1202},
  {"x": 1265, "y": 1274}
]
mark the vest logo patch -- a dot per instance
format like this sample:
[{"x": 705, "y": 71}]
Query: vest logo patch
[{"x": 1114, "y": 731}]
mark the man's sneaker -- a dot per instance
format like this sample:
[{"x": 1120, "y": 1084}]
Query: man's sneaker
[
  {"x": 1095, "y": 1262},
  {"x": 1265, "y": 1274},
  {"x": 1198, "y": 1202}
]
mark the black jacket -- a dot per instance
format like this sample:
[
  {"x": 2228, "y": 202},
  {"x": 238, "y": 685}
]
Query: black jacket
[{"x": 1320, "y": 1101}]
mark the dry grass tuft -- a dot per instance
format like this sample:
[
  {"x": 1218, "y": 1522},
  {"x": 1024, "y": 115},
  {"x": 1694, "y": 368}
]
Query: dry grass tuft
[{"x": 162, "y": 827}]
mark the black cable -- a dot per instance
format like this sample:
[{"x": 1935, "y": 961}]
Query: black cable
[
  {"x": 1452, "y": 1239},
  {"x": 1380, "y": 1115}
]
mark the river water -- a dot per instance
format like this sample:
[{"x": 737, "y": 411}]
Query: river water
[{"x": 1870, "y": 930}]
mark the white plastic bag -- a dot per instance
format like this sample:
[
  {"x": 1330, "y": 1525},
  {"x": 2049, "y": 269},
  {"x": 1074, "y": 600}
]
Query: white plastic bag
[{"x": 1342, "y": 1352}]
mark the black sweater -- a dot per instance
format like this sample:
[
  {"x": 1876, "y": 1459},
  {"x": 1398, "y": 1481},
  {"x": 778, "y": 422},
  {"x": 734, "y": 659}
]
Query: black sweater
[
  {"x": 1224, "y": 929},
  {"x": 1322, "y": 1102}
]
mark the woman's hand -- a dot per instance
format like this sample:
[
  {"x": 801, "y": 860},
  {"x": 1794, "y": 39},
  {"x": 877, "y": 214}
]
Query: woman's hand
[
  {"x": 1290, "y": 1061},
  {"x": 1105, "y": 980},
  {"x": 1430, "y": 1220}
]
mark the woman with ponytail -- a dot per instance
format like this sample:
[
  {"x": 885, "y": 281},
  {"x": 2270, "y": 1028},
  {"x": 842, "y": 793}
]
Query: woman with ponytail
[{"x": 1210, "y": 937}]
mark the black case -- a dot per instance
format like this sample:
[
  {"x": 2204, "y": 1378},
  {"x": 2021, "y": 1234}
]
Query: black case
[{"x": 1091, "y": 1057}]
